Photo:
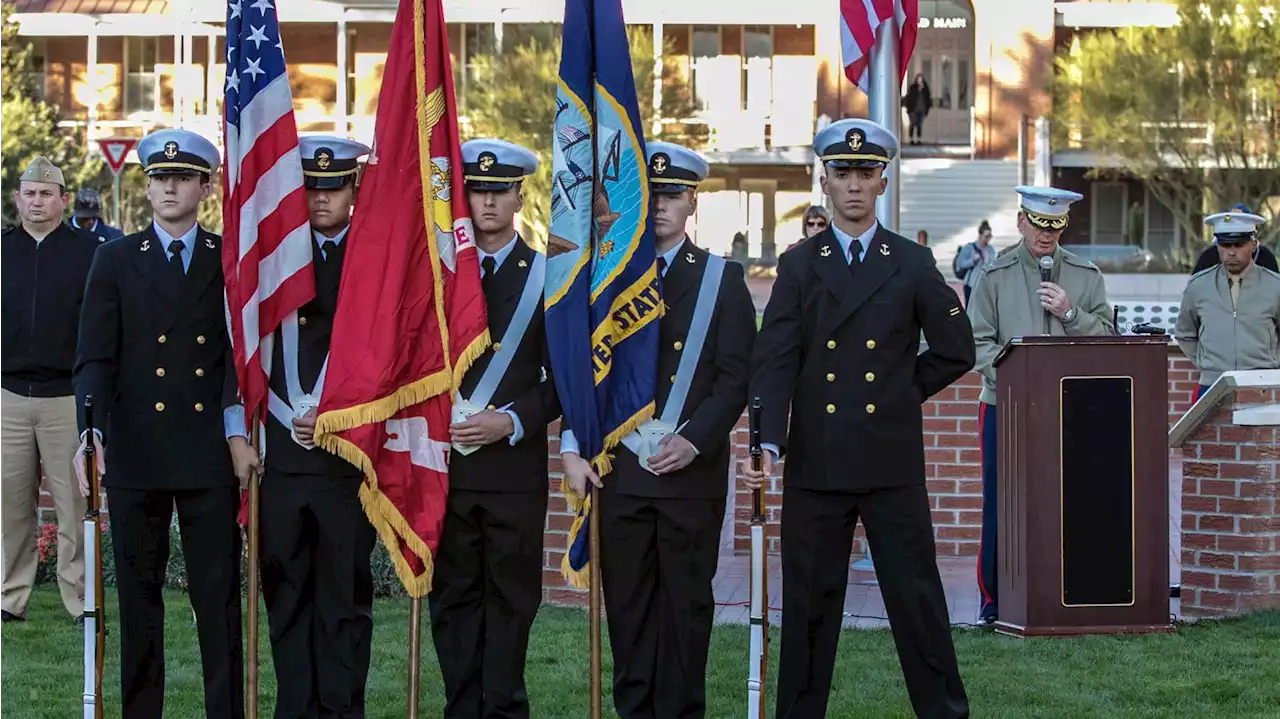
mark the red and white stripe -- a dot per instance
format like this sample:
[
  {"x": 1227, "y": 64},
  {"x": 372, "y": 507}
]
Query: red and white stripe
[
  {"x": 266, "y": 248},
  {"x": 860, "y": 20}
]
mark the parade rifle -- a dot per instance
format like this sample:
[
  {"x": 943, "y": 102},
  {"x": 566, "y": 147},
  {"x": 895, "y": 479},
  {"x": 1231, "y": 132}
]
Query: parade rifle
[
  {"x": 758, "y": 659},
  {"x": 95, "y": 618}
]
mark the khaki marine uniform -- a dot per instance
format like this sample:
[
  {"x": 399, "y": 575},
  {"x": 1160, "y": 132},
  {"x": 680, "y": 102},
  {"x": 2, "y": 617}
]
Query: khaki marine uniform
[
  {"x": 1222, "y": 328},
  {"x": 1005, "y": 305}
]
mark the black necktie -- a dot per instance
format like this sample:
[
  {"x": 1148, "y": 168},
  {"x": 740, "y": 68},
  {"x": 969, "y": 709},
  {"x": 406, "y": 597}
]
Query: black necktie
[
  {"x": 327, "y": 249},
  {"x": 175, "y": 259},
  {"x": 662, "y": 265},
  {"x": 489, "y": 267},
  {"x": 855, "y": 250}
]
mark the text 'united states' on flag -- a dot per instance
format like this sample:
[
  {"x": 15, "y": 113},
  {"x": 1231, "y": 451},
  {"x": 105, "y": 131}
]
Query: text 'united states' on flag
[
  {"x": 266, "y": 248},
  {"x": 862, "y": 20}
]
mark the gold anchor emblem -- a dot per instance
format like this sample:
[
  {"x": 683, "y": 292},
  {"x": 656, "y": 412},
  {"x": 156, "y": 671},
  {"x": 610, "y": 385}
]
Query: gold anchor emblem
[
  {"x": 855, "y": 141},
  {"x": 826, "y": 251},
  {"x": 884, "y": 250},
  {"x": 323, "y": 158},
  {"x": 171, "y": 149},
  {"x": 486, "y": 162},
  {"x": 659, "y": 164}
]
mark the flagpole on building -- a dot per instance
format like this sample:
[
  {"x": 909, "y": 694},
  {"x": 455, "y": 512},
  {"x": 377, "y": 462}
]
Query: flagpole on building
[{"x": 884, "y": 102}]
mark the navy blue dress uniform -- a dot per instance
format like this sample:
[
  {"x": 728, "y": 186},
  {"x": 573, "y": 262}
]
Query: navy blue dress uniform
[
  {"x": 840, "y": 347},
  {"x": 155, "y": 354},
  {"x": 316, "y": 539},
  {"x": 487, "y": 584},
  {"x": 660, "y": 534}
]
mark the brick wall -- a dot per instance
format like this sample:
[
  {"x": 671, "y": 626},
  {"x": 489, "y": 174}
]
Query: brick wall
[
  {"x": 1230, "y": 517},
  {"x": 953, "y": 467}
]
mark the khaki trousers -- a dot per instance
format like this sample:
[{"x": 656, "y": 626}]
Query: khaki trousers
[{"x": 39, "y": 431}]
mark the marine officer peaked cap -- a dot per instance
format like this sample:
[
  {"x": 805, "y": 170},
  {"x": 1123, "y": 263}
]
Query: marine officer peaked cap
[
  {"x": 1047, "y": 207},
  {"x": 855, "y": 142},
  {"x": 674, "y": 169},
  {"x": 490, "y": 165},
  {"x": 329, "y": 162},
  {"x": 177, "y": 152},
  {"x": 1234, "y": 227},
  {"x": 42, "y": 170}
]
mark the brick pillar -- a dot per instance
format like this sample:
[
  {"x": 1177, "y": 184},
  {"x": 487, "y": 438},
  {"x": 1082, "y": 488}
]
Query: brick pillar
[{"x": 1230, "y": 512}]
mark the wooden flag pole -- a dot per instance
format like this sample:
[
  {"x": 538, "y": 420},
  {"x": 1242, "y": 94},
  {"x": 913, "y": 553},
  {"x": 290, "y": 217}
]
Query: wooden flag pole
[
  {"x": 415, "y": 655},
  {"x": 251, "y": 528},
  {"x": 593, "y": 627}
]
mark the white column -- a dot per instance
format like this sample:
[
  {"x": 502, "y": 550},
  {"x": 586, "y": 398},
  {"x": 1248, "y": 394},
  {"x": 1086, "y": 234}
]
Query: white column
[
  {"x": 885, "y": 102},
  {"x": 657, "y": 79},
  {"x": 92, "y": 73},
  {"x": 340, "y": 115},
  {"x": 177, "y": 79},
  {"x": 497, "y": 35},
  {"x": 212, "y": 90}
]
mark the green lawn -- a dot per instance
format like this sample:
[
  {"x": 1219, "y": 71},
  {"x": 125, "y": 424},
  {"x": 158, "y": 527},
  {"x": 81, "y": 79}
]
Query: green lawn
[{"x": 1227, "y": 670}]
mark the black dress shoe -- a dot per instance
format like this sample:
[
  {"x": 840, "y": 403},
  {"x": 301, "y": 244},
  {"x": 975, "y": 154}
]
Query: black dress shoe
[
  {"x": 987, "y": 621},
  {"x": 8, "y": 616},
  {"x": 79, "y": 621}
]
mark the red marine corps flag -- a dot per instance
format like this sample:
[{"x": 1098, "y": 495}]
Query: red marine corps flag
[{"x": 411, "y": 314}]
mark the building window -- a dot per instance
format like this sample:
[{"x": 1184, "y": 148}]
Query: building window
[
  {"x": 706, "y": 50},
  {"x": 757, "y": 69},
  {"x": 1109, "y": 202},
  {"x": 140, "y": 77},
  {"x": 1161, "y": 227}
]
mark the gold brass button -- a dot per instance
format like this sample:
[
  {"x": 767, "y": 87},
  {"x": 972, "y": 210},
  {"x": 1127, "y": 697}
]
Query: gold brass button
[
  {"x": 871, "y": 409},
  {"x": 490, "y": 407},
  {"x": 831, "y": 409},
  {"x": 199, "y": 372},
  {"x": 871, "y": 344},
  {"x": 871, "y": 376},
  {"x": 678, "y": 346},
  {"x": 302, "y": 321},
  {"x": 159, "y": 371},
  {"x": 831, "y": 344},
  {"x": 199, "y": 339},
  {"x": 673, "y": 379},
  {"x": 159, "y": 406},
  {"x": 497, "y": 346},
  {"x": 162, "y": 339},
  {"x": 199, "y": 406},
  {"x": 831, "y": 377}
]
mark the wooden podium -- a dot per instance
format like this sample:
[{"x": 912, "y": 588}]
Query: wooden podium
[{"x": 1083, "y": 462}]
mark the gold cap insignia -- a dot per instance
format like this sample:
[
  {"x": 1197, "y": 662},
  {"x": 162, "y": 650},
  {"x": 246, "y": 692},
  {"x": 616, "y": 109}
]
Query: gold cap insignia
[
  {"x": 487, "y": 161},
  {"x": 171, "y": 149},
  {"x": 659, "y": 164},
  {"x": 41, "y": 170},
  {"x": 1053, "y": 200},
  {"x": 323, "y": 158},
  {"x": 1228, "y": 218},
  {"x": 855, "y": 140}
]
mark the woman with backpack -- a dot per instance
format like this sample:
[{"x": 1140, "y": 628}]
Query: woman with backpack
[{"x": 973, "y": 256}]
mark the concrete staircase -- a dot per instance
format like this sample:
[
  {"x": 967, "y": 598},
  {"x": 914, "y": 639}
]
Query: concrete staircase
[{"x": 948, "y": 198}]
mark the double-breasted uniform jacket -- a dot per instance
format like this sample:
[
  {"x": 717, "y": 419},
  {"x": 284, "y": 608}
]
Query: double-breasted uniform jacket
[
  {"x": 843, "y": 355},
  {"x": 315, "y": 327},
  {"x": 1219, "y": 336},
  {"x": 718, "y": 391},
  {"x": 528, "y": 386},
  {"x": 155, "y": 355}
]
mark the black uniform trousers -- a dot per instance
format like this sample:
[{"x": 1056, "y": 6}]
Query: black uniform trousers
[
  {"x": 485, "y": 593},
  {"x": 318, "y": 587},
  {"x": 817, "y": 537},
  {"x": 657, "y": 559},
  {"x": 211, "y": 546}
]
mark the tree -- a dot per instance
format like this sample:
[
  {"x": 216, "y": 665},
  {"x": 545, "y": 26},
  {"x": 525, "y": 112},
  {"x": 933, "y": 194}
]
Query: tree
[
  {"x": 28, "y": 124},
  {"x": 513, "y": 99},
  {"x": 1193, "y": 110}
]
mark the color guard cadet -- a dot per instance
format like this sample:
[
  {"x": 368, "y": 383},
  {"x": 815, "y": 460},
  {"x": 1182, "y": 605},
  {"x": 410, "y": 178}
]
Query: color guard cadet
[
  {"x": 155, "y": 356},
  {"x": 45, "y": 263},
  {"x": 1230, "y": 316},
  {"x": 488, "y": 569},
  {"x": 840, "y": 347},
  {"x": 1011, "y": 299},
  {"x": 662, "y": 508},
  {"x": 316, "y": 539}
]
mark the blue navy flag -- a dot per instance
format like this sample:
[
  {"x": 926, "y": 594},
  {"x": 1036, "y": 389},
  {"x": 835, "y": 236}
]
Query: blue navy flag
[{"x": 602, "y": 290}]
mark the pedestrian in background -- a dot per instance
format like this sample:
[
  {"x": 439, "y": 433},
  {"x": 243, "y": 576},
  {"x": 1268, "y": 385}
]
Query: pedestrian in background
[
  {"x": 972, "y": 258},
  {"x": 922, "y": 238},
  {"x": 918, "y": 102},
  {"x": 87, "y": 215},
  {"x": 816, "y": 220}
]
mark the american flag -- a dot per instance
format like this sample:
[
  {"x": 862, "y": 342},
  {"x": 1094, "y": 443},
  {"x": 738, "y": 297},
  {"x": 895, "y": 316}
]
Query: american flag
[
  {"x": 860, "y": 20},
  {"x": 266, "y": 248}
]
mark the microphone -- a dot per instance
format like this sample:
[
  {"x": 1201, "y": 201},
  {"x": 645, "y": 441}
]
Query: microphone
[
  {"x": 1146, "y": 328},
  {"x": 1046, "y": 267}
]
